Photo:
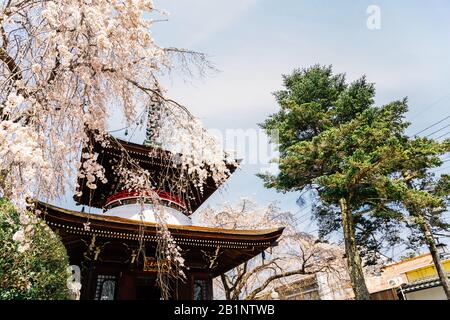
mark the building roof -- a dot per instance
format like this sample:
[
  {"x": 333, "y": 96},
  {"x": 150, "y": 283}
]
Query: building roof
[
  {"x": 165, "y": 174},
  {"x": 410, "y": 263},
  {"x": 422, "y": 284},
  {"x": 395, "y": 274},
  {"x": 235, "y": 246}
]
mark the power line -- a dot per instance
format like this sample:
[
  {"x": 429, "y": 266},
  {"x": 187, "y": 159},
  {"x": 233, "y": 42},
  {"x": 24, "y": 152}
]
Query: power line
[
  {"x": 448, "y": 132},
  {"x": 305, "y": 214},
  {"x": 431, "y": 126},
  {"x": 438, "y": 130},
  {"x": 307, "y": 218},
  {"x": 133, "y": 122},
  {"x": 430, "y": 106}
]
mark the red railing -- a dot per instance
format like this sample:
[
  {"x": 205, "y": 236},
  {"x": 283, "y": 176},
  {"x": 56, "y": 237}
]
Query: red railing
[{"x": 134, "y": 194}]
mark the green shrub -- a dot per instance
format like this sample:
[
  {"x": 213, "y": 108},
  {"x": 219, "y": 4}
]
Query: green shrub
[{"x": 35, "y": 268}]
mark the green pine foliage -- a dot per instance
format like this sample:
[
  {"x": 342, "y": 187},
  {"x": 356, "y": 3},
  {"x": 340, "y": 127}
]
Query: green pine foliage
[
  {"x": 426, "y": 201},
  {"x": 334, "y": 139}
]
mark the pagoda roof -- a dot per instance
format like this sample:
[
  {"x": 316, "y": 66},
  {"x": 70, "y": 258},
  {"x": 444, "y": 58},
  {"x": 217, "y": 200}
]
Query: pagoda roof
[
  {"x": 165, "y": 173},
  {"x": 236, "y": 246}
]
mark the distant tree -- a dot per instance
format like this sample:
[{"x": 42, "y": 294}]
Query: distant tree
[
  {"x": 334, "y": 140},
  {"x": 33, "y": 260},
  {"x": 297, "y": 253},
  {"x": 426, "y": 200},
  {"x": 408, "y": 255}
]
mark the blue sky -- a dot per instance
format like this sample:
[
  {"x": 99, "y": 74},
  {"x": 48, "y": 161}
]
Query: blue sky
[{"x": 253, "y": 42}]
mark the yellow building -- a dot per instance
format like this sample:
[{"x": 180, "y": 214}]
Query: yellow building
[
  {"x": 424, "y": 284},
  {"x": 426, "y": 272},
  {"x": 410, "y": 279}
]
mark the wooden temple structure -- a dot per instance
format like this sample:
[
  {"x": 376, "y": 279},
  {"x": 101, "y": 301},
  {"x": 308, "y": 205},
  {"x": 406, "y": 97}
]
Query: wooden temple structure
[{"x": 116, "y": 249}]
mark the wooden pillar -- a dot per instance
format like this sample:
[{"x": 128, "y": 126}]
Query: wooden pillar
[
  {"x": 126, "y": 286},
  {"x": 185, "y": 289},
  {"x": 88, "y": 283}
]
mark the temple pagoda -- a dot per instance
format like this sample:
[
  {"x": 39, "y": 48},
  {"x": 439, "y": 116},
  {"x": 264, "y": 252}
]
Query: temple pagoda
[{"x": 116, "y": 249}]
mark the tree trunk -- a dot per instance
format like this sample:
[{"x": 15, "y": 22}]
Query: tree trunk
[
  {"x": 353, "y": 258},
  {"x": 226, "y": 288},
  {"x": 426, "y": 229},
  {"x": 3, "y": 176}
]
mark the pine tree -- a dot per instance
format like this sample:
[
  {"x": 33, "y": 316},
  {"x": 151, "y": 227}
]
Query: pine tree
[
  {"x": 426, "y": 200},
  {"x": 332, "y": 138}
]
